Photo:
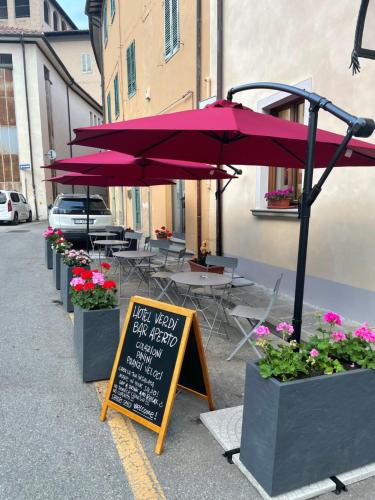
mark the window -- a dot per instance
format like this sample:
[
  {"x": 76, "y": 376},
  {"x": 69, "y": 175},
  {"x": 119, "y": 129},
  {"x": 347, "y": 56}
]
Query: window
[
  {"x": 105, "y": 23},
  {"x": 46, "y": 12},
  {"x": 3, "y": 9},
  {"x": 22, "y": 8},
  {"x": 117, "y": 98},
  {"x": 113, "y": 8},
  {"x": 171, "y": 28},
  {"x": 130, "y": 63},
  {"x": 14, "y": 197},
  {"x": 78, "y": 206},
  {"x": 55, "y": 21},
  {"x": 86, "y": 65},
  {"x": 282, "y": 178},
  {"x": 109, "y": 108},
  {"x": 22, "y": 198},
  {"x": 137, "y": 216},
  {"x": 95, "y": 120},
  {"x": 3, "y": 198},
  {"x": 63, "y": 26}
]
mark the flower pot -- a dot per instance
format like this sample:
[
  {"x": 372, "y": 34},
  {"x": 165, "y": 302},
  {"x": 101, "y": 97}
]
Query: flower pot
[
  {"x": 66, "y": 276},
  {"x": 161, "y": 237},
  {"x": 56, "y": 269},
  {"x": 48, "y": 255},
  {"x": 96, "y": 337},
  {"x": 296, "y": 433},
  {"x": 283, "y": 203},
  {"x": 199, "y": 268}
]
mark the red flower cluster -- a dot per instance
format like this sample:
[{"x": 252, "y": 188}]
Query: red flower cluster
[
  {"x": 163, "y": 232},
  {"x": 105, "y": 265},
  {"x": 109, "y": 284}
]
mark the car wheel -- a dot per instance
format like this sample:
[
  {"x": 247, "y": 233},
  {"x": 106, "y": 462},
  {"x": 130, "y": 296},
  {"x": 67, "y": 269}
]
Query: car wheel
[
  {"x": 15, "y": 218},
  {"x": 30, "y": 218}
]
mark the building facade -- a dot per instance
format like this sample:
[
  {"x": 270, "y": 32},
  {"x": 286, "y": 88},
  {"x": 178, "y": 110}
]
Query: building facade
[{"x": 155, "y": 59}]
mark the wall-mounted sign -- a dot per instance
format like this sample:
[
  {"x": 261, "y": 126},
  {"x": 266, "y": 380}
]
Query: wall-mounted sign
[
  {"x": 25, "y": 166},
  {"x": 52, "y": 154},
  {"x": 160, "y": 350}
]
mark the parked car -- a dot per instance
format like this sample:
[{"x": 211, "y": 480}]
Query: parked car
[
  {"x": 14, "y": 207},
  {"x": 68, "y": 213}
]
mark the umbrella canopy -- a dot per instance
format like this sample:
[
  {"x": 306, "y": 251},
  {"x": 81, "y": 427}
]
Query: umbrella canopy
[
  {"x": 75, "y": 179},
  {"x": 114, "y": 164},
  {"x": 223, "y": 133}
]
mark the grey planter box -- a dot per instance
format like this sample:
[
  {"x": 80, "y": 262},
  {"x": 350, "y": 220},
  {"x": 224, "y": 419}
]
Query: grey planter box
[
  {"x": 297, "y": 433},
  {"x": 96, "y": 338},
  {"x": 56, "y": 269},
  {"x": 66, "y": 276},
  {"x": 48, "y": 254}
]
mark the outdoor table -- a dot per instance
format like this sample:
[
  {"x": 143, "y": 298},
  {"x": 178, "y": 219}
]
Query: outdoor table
[
  {"x": 98, "y": 234},
  {"x": 108, "y": 244},
  {"x": 205, "y": 280},
  {"x": 133, "y": 258}
]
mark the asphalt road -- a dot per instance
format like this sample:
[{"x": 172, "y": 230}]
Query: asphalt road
[{"x": 52, "y": 443}]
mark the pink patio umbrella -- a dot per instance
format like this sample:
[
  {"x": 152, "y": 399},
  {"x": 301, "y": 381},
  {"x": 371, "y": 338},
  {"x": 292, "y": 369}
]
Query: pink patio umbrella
[{"x": 229, "y": 133}]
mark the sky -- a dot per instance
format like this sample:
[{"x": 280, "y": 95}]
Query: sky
[{"x": 76, "y": 11}]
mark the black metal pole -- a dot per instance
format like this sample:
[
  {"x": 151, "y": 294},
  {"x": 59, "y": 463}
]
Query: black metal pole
[
  {"x": 87, "y": 218},
  {"x": 305, "y": 221}
]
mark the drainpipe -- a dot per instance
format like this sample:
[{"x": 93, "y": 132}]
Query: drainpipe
[
  {"x": 29, "y": 126},
  {"x": 69, "y": 85},
  {"x": 219, "y": 95},
  {"x": 198, "y": 98}
]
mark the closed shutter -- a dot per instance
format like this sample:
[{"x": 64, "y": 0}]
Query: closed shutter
[
  {"x": 130, "y": 63},
  {"x": 117, "y": 100},
  {"x": 109, "y": 108},
  {"x": 175, "y": 27},
  {"x": 167, "y": 28},
  {"x": 171, "y": 28},
  {"x": 105, "y": 23}
]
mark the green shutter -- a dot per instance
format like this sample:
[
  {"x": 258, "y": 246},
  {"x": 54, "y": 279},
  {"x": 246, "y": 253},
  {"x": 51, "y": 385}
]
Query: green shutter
[
  {"x": 137, "y": 214},
  {"x": 171, "y": 27},
  {"x": 109, "y": 108},
  {"x": 117, "y": 99},
  {"x": 175, "y": 28},
  {"x": 130, "y": 64},
  {"x": 167, "y": 29},
  {"x": 113, "y": 8},
  {"x": 105, "y": 22}
]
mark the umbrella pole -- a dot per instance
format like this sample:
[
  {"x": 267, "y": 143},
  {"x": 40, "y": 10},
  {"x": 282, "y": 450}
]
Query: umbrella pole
[
  {"x": 87, "y": 218},
  {"x": 305, "y": 210}
]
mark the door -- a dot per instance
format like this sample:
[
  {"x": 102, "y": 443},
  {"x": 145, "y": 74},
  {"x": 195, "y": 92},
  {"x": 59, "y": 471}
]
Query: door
[
  {"x": 25, "y": 206},
  {"x": 17, "y": 205}
]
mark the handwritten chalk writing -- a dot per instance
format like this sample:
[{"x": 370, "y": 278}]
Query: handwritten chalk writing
[
  {"x": 142, "y": 313},
  {"x": 149, "y": 349},
  {"x": 166, "y": 321},
  {"x": 140, "y": 328},
  {"x": 163, "y": 337}
]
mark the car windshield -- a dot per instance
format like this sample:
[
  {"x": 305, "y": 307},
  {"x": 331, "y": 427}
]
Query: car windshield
[
  {"x": 78, "y": 206},
  {"x": 3, "y": 197}
]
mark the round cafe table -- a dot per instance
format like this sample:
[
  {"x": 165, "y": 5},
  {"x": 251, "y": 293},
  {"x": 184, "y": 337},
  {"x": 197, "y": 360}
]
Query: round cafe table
[
  {"x": 109, "y": 244},
  {"x": 201, "y": 279}
]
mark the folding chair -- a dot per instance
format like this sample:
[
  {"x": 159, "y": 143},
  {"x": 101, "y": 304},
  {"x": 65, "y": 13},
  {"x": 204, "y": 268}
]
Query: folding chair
[
  {"x": 255, "y": 317},
  {"x": 162, "y": 279},
  {"x": 155, "y": 263}
]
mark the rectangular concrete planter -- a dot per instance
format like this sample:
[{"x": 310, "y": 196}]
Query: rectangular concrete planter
[
  {"x": 48, "y": 253},
  {"x": 297, "y": 433},
  {"x": 56, "y": 269},
  {"x": 66, "y": 276},
  {"x": 96, "y": 337}
]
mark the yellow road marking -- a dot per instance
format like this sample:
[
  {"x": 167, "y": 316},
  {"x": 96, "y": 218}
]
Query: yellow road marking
[{"x": 142, "y": 478}]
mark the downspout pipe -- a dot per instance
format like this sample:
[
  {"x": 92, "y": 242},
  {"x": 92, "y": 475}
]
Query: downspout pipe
[
  {"x": 198, "y": 77},
  {"x": 219, "y": 95},
  {"x": 29, "y": 125},
  {"x": 69, "y": 85}
]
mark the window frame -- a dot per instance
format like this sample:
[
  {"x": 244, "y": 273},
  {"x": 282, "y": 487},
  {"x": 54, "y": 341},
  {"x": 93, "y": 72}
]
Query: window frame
[
  {"x": 55, "y": 21},
  {"x": 64, "y": 26},
  {"x": 46, "y": 13},
  {"x": 171, "y": 29},
  {"x": 131, "y": 69},
  {"x": 4, "y": 8},
  {"x": 85, "y": 67},
  {"x": 22, "y": 4}
]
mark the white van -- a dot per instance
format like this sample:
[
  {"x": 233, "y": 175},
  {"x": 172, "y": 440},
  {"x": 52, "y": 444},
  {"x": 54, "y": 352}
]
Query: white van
[{"x": 14, "y": 207}]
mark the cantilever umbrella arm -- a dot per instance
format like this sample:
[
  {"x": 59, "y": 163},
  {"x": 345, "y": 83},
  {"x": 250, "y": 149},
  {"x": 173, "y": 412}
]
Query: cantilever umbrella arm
[
  {"x": 360, "y": 127},
  {"x": 236, "y": 171}
]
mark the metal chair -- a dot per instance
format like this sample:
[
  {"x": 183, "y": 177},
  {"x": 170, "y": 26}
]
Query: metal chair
[
  {"x": 255, "y": 317},
  {"x": 162, "y": 279},
  {"x": 155, "y": 263}
]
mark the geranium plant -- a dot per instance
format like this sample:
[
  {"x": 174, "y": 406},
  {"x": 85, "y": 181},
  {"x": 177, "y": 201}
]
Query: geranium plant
[
  {"x": 163, "y": 233},
  {"x": 76, "y": 258},
  {"x": 51, "y": 234},
  {"x": 61, "y": 245},
  {"x": 279, "y": 194},
  {"x": 331, "y": 350},
  {"x": 92, "y": 290}
]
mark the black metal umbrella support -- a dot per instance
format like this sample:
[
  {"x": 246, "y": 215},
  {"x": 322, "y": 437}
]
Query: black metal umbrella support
[
  {"x": 87, "y": 218},
  {"x": 359, "y": 127}
]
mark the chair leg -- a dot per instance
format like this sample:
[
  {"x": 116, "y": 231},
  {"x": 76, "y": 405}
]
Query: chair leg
[{"x": 247, "y": 338}]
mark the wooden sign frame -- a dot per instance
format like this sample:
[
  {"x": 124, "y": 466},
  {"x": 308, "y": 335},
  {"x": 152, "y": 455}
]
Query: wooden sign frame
[{"x": 191, "y": 328}]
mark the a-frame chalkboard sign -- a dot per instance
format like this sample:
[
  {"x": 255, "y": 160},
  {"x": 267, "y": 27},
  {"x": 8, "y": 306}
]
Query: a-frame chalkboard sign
[{"x": 160, "y": 350}]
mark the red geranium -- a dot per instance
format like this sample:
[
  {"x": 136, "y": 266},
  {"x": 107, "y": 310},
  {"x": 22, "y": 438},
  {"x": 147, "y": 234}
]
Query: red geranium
[
  {"x": 77, "y": 270},
  {"x": 79, "y": 288},
  {"x": 86, "y": 274},
  {"x": 109, "y": 284},
  {"x": 88, "y": 286},
  {"x": 163, "y": 228},
  {"x": 59, "y": 232},
  {"x": 105, "y": 265}
]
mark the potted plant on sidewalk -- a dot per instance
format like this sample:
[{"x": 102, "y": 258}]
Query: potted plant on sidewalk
[
  {"x": 199, "y": 264},
  {"x": 71, "y": 258},
  {"x": 280, "y": 198},
  {"x": 163, "y": 233},
  {"x": 298, "y": 423},
  {"x": 60, "y": 245},
  {"x": 96, "y": 322},
  {"x": 50, "y": 235}
]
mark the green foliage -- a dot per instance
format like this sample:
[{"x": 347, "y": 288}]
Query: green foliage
[{"x": 98, "y": 298}]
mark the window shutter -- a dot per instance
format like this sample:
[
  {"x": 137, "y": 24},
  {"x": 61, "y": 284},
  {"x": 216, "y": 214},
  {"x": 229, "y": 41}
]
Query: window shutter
[
  {"x": 167, "y": 28},
  {"x": 109, "y": 108},
  {"x": 175, "y": 26},
  {"x": 130, "y": 63},
  {"x": 117, "y": 101}
]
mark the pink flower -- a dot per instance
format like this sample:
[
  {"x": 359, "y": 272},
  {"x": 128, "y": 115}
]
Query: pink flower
[
  {"x": 98, "y": 278},
  {"x": 338, "y": 336},
  {"x": 365, "y": 333},
  {"x": 285, "y": 327},
  {"x": 332, "y": 318},
  {"x": 314, "y": 353},
  {"x": 77, "y": 281},
  {"x": 262, "y": 330}
]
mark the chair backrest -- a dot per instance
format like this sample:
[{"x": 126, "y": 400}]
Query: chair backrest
[
  {"x": 147, "y": 243},
  {"x": 275, "y": 293},
  {"x": 133, "y": 235},
  {"x": 162, "y": 244},
  {"x": 226, "y": 262},
  {"x": 180, "y": 256}
]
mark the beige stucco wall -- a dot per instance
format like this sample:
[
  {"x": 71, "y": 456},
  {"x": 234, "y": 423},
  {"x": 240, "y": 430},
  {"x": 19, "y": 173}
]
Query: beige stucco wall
[
  {"x": 170, "y": 86},
  {"x": 283, "y": 42}
]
